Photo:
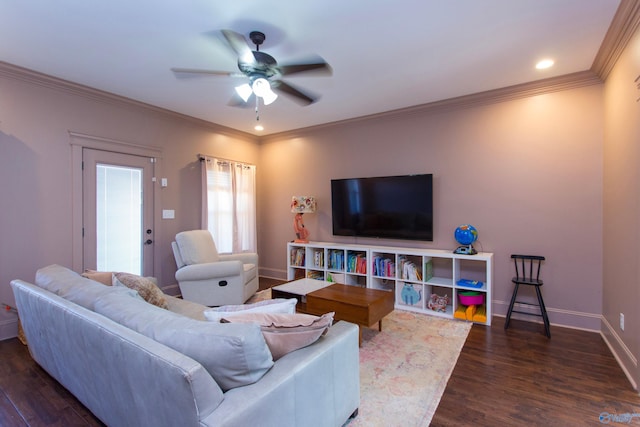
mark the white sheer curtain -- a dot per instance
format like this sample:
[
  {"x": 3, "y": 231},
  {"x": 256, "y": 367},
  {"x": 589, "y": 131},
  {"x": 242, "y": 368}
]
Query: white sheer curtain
[{"x": 229, "y": 204}]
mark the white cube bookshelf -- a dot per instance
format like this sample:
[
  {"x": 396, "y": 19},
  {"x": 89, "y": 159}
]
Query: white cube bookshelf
[{"x": 419, "y": 272}]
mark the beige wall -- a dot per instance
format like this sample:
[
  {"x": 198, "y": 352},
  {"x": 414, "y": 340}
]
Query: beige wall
[
  {"x": 527, "y": 173},
  {"x": 622, "y": 208},
  {"x": 36, "y": 170}
]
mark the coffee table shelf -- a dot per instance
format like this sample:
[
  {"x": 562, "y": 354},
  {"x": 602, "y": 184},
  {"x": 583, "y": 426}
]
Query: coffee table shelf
[{"x": 411, "y": 274}]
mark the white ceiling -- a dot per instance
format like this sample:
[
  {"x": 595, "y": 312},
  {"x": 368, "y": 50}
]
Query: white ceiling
[{"x": 385, "y": 55}]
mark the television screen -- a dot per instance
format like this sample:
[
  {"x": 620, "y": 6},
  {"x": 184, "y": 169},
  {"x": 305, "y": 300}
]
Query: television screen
[{"x": 394, "y": 207}]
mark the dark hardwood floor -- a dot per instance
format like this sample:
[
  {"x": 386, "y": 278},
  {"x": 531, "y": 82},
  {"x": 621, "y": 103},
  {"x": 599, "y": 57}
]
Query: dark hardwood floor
[
  {"x": 520, "y": 377},
  {"x": 502, "y": 378}
]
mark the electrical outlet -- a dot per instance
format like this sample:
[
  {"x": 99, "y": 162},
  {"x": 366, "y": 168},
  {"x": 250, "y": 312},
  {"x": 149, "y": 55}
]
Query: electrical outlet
[{"x": 622, "y": 321}]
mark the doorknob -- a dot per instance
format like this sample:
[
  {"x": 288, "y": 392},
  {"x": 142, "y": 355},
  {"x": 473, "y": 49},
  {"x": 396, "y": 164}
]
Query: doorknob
[
  {"x": 148, "y": 242},
  {"x": 149, "y": 231}
]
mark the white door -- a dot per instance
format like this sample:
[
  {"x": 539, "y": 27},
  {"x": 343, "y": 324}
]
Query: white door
[{"x": 117, "y": 212}]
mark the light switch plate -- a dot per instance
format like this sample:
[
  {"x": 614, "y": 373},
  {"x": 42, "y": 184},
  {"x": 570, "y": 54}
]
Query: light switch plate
[{"x": 168, "y": 214}]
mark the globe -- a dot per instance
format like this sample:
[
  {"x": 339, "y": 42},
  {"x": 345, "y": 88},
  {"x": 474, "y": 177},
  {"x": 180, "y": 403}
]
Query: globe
[{"x": 466, "y": 234}]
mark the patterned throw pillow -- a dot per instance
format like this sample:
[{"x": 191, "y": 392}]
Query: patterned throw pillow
[
  {"x": 148, "y": 290},
  {"x": 285, "y": 333}
]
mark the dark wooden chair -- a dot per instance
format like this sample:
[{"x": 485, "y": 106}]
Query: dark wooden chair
[{"x": 528, "y": 273}]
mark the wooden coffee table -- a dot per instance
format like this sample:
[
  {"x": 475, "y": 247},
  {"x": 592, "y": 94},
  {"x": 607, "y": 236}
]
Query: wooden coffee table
[{"x": 362, "y": 306}]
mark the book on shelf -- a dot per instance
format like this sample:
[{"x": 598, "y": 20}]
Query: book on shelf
[
  {"x": 297, "y": 257},
  {"x": 336, "y": 260},
  {"x": 317, "y": 275},
  {"x": 357, "y": 263},
  {"x": 318, "y": 259},
  {"x": 408, "y": 270},
  {"x": 383, "y": 267},
  {"x": 428, "y": 269}
]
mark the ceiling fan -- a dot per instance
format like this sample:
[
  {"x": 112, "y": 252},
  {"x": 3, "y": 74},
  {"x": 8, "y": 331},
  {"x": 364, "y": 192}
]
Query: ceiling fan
[{"x": 263, "y": 71}]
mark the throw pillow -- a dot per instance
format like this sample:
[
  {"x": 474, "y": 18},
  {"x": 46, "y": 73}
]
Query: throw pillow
[
  {"x": 277, "y": 305},
  {"x": 148, "y": 290},
  {"x": 285, "y": 333},
  {"x": 104, "y": 277}
]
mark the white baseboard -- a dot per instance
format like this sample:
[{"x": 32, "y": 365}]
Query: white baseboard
[
  {"x": 273, "y": 273},
  {"x": 566, "y": 318},
  {"x": 8, "y": 325},
  {"x": 620, "y": 351}
]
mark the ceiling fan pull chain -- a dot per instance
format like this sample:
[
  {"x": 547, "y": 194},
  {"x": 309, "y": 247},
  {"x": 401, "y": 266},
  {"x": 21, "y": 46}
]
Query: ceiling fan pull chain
[{"x": 257, "y": 114}]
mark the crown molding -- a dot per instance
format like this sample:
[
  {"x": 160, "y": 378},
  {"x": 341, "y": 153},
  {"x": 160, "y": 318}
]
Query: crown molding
[
  {"x": 524, "y": 90},
  {"x": 26, "y": 75},
  {"x": 623, "y": 26}
]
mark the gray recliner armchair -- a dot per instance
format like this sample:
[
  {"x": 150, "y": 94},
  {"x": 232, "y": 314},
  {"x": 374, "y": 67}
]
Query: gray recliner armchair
[{"x": 209, "y": 278}]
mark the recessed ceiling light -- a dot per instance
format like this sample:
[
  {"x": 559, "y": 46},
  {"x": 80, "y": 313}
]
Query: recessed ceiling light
[
  {"x": 259, "y": 128},
  {"x": 545, "y": 63}
]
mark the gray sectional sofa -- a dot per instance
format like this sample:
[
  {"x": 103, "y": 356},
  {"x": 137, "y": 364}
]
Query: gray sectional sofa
[{"x": 134, "y": 364}]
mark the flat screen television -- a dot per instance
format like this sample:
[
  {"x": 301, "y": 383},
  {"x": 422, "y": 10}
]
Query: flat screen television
[{"x": 392, "y": 207}]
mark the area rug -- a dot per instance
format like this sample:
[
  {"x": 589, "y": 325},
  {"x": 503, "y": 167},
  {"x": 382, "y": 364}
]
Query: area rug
[{"x": 404, "y": 369}]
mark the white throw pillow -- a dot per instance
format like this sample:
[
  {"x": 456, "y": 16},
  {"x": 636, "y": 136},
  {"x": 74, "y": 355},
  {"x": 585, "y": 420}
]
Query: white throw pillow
[{"x": 277, "y": 306}]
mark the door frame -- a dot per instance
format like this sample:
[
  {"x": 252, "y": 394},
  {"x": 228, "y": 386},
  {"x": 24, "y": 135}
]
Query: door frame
[
  {"x": 78, "y": 142},
  {"x": 145, "y": 166}
]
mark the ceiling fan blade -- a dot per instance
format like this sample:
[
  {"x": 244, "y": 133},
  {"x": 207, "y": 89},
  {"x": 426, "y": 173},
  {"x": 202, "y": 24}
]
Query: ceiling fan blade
[
  {"x": 181, "y": 72},
  {"x": 239, "y": 44},
  {"x": 237, "y": 101},
  {"x": 296, "y": 94},
  {"x": 317, "y": 67}
]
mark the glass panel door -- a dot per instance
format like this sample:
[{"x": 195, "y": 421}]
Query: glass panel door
[{"x": 117, "y": 212}]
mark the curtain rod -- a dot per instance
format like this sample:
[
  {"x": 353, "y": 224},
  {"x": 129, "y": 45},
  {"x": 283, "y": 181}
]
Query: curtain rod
[{"x": 203, "y": 157}]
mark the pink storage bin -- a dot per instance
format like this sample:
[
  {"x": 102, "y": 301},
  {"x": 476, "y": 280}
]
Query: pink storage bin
[{"x": 471, "y": 298}]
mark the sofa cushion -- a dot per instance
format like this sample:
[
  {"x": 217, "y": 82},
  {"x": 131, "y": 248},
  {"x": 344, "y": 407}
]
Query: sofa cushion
[
  {"x": 277, "y": 305},
  {"x": 186, "y": 308},
  {"x": 148, "y": 290},
  {"x": 234, "y": 354},
  {"x": 285, "y": 333},
  {"x": 71, "y": 286},
  {"x": 197, "y": 247}
]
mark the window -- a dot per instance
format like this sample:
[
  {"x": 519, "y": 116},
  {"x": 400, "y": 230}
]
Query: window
[
  {"x": 229, "y": 201},
  {"x": 119, "y": 218}
]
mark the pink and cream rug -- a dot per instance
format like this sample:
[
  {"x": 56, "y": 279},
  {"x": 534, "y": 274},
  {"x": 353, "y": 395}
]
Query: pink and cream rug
[{"x": 405, "y": 368}]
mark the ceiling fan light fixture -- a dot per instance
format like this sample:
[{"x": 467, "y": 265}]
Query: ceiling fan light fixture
[
  {"x": 262, "y": 88},
  {"x": 269, "y": 97},
  {"x": 244, "y": 91}
]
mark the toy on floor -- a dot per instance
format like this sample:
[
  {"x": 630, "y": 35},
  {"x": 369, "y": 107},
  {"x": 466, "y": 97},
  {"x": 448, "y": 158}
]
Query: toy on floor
[{"x": 438, "y": 303}]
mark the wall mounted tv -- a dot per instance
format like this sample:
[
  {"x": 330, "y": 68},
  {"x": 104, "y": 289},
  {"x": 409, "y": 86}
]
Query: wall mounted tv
[{"x": 392, "y": 207}]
